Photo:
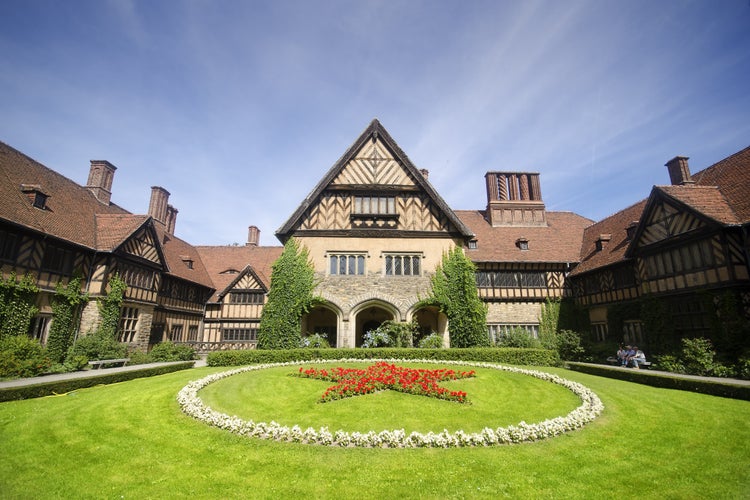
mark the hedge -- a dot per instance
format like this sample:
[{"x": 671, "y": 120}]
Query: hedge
[
  {"x": 63, "y": 386},
  {"x": 667, "y": 380},
  {"x": 513, "y": 356}
]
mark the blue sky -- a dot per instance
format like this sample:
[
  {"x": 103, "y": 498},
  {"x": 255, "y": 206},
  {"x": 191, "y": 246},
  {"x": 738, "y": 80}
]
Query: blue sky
[{"x": 239, "y": 108}]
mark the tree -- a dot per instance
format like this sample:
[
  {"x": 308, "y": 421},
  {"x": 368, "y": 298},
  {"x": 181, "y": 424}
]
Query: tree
[
  {"x": 17, "y": 305},
  {"x": 65, "y": 306},
  {"x": 289, "y": 298},
  {"x": 454, "y": 290}
]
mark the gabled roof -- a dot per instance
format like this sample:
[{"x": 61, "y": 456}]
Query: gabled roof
[
  {"x": 71, "y": 209},
  {"x": 721, "y": 194},
  {"x": 374, "y": 131},
  {"x": 177, "y": 252},
  {"x": 218, "y": 260},
  {"x": 248, "y": 271},
  {"x": 614, "y": 250},
  {"x": 112, "y": 230},
  {"x": 558, "y": 241},
  {"x": 732, "y": 176}
]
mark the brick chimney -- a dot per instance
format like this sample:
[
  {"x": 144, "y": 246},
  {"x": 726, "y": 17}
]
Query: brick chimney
[
  {"x": 679, "y": 171},
  {"x": 157, "y": 207},
  {"x": 253, "y": 236},
  {"x": 514, "y": 199},
  {"x": 425, "y": 173},
  {"x": 101, "y": 175},
  {"x": 171, "y": 219}
]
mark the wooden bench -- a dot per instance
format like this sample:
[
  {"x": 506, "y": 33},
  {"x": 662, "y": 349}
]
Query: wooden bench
[
  {"x": 612, "y": 360},
  {"x": 98, "y": 363}
]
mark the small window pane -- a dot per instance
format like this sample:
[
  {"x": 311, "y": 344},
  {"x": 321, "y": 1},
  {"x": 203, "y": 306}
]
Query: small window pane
[{"x": 360, "y": 264}]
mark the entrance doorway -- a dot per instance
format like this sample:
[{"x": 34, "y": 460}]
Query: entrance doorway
[
  {"x": 322, "y": 321},
  {"x": 368, "y": 319}
]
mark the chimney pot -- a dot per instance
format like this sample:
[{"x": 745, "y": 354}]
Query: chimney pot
[
  {"x": 171, "y": 219},
  {"x": 425, "y": 173},
  {"x": 253, "y": 236},
  {"x": 157, "y": 207},
  {"x": 101, "y": 175},
  {"x": 679, "y": 171}
]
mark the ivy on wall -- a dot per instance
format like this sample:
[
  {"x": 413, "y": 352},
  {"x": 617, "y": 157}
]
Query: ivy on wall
[
  {"x": 66, "y": 305},
  {"x": 17, "y": 305},
  {"x": 109, "y": 307},
  {"x": 289, "y": 298},
  {"x": 454, "y": 290}
]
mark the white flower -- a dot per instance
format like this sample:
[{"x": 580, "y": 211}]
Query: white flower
[{"x": 591, "y": 406}]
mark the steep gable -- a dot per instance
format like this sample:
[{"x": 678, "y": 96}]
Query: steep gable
[{"x": 374, "y": 188}]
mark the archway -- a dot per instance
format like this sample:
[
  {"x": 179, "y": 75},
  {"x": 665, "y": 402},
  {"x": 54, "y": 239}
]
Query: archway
[
  {"x": 429, "y": 320},
  {"x": 369, "y": 317},
  {"x": 323, "y": 321}
]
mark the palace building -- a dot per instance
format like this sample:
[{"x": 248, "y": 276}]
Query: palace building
[{"x": 375, "y": 229}]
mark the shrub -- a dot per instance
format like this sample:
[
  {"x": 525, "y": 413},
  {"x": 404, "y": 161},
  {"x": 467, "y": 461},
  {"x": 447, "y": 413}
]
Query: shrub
[
  {"x": 432, "y": 341},
  {"x": 168, "y": 351},
  {"x": 97, "y": 345},
  {"x": 670, "y": 363},
  {"x": 138, "y": 357},
  {"x": 21, "y": 356},
  {"x": 531, "y": 357},
  {"x": 314, "y": 341},
  {"x": 569, "y": 345},
  {"x": 698, "y": 356},
  {"x": 743, "y": 368},
  {"x": 376, "y": 338},
  {"x": 518, "y": 337}
]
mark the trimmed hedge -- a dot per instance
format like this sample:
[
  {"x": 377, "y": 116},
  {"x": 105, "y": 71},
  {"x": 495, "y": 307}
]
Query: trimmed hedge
[
  {"x": 666, "y": 380},
  {"x": 62, "y": 386},
  {"x": 528, "y": 357}
]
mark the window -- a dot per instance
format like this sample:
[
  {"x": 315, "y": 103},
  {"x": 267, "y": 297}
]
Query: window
[
  {"x": 40, "y": 200},
  {"x": 511, "y": 279},
  {"x": 238, "y": 334},
  {"x": 57, "y": 259},
  {"x": 137, "y": 277},
  {"x": 522, "y": 244},
  {"x": 193, "y": 333},
  {"x": 497, "y": 331},
  {"x": 39, "y": 326},
  {"x": 247, "y": 297},
  {"x": 600, "y": 331},
  {"x": 473, "y": 245},
  {"x": 370, "y": 205},
  {"x": 347, "y": 264},
  {"x": 632, "y": 332},
  {"x": 690, "y": 257},
  {"x": 8, "y": 246},
  {"x": 176, "y": 333},
  {"x": 403, "y": 265},
  {"x": 129, "y": 324}
]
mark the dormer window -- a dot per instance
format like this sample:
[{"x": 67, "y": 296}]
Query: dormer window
[
  {"x": 522, "y": 244},
  {"x": 602, "y": 241},
  {"x": 230, "y": 271},
  {"x": 631, "y": 229},
  {"x": 472, "y": 244},
  {"x": 35, "y": 194},
  {"x": 187, "y": 260}
]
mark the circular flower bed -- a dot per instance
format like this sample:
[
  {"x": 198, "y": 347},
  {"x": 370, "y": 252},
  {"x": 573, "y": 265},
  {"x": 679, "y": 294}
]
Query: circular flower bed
[{"x": 589, "y": 409}]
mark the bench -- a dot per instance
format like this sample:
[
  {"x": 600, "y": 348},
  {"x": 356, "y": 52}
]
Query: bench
[
  {"x": 98, "y": 363},
  {"x": 612, "y": 360}
]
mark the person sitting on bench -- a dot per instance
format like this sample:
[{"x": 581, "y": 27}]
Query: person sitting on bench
[{"x": 638, "y": 357}]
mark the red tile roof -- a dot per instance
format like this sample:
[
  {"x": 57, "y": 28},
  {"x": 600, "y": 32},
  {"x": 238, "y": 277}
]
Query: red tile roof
[
  {"x": 732, "y": 175},
  {"x": 708, "y": 200},
  {"x": 559, "y": 241},
  {"x": 218, "y": 260}
]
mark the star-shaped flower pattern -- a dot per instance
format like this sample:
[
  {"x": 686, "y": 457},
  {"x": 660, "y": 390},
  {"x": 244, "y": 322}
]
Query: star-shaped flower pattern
[{"x": 352, "y": 382}]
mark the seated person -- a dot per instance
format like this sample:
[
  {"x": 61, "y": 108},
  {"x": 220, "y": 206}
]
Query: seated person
[
  {"x": 637, "y": 357},
  {"x": 621, "y": 355}
]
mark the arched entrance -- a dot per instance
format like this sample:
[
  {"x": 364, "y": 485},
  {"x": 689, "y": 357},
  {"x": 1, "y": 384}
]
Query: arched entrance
[
  {"x": 369, "y": 317},
  {"x": 324, "y": 322},
  {"x": 429, "y": 320}
]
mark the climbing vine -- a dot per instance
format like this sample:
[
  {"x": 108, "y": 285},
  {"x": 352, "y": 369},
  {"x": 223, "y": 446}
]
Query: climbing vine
[
  {"x": 17, "y": 305},
  {"x": 289, "y": 298},
  {"x": 109, "y": 307},
  {"x": 66, "y": 305},
  {"x": 454, "y": 290}
]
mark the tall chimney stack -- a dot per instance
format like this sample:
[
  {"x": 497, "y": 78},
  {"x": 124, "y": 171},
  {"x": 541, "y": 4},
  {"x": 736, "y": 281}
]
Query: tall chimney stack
[
  {"x": 171, "y": 219},
  {"x": 157, "y": 207},
  {"x": 679, "y": 171},
  {"x": 101, "y": 175},
  {"x": 514, "y": 199},
  {"x": 253, "y": 236}
]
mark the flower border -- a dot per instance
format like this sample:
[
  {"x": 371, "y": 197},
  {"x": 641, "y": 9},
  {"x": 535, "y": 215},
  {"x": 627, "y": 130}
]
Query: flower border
[{"x": 591, "y": 407}]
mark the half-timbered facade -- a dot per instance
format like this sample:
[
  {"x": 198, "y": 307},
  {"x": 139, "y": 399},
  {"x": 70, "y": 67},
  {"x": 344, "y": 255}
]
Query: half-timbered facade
[
  {"x": 54, "y": 229},
  {"x": 675, "y": 264}
]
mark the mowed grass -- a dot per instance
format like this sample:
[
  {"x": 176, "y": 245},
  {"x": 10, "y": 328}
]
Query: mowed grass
[
  {"x": 130, "y": 440},
  {"x": 497, "y": 398}
]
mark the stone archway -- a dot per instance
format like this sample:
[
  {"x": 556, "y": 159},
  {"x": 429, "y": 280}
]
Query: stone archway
[
  {"x": 430, "y": 320},
  {"x": 323, "y": 321},
  {"x": 369, "y": 316}
]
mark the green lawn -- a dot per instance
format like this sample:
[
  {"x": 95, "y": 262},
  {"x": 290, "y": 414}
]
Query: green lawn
[{"x": 130, "y": 440}]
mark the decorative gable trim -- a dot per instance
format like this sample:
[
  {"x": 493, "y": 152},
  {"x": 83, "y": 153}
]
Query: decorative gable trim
[
  {"x": 247, "y": 272},
  {"x": 144, "y": 244},
  {"x": 364, "y": 172}
]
